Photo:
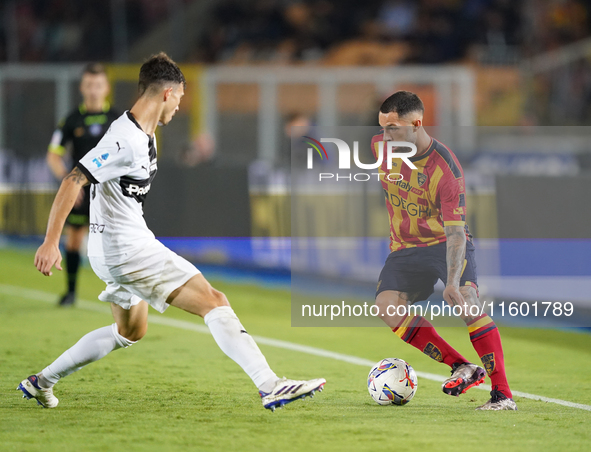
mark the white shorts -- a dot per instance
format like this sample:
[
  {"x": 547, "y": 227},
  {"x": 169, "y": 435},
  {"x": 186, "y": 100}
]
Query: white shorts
[{"x": 151, "y": 275}]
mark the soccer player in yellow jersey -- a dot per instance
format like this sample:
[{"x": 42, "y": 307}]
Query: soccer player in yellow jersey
[{"x": 429, "y": 240}]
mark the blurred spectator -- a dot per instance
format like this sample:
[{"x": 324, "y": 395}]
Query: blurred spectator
[
  {"x": 200, "y": 150},
  {"x": 555, "y": 23},
  {"x": 437, "y": 40},
  {"x": 398, "y": 18},
  {"x": 296, "y": 126},
  {"x": 561, "y": 95}
]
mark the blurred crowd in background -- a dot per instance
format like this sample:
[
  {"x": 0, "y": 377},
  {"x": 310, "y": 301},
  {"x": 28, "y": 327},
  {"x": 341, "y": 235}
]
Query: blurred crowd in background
[
  {"x": 498, "y": 39},
  {"x": 71, "y": 30},
  {"x": 425, "y": 31},
  {"x": 408, "y": 31}
]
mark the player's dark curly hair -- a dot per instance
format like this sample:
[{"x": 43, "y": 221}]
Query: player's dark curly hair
[
  {"x": 158, "y": 70},
  {"x": 402, "y": 102}
]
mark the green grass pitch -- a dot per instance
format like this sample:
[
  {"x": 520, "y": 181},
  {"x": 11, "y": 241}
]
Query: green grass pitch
[{"x": 175, "y": 390}]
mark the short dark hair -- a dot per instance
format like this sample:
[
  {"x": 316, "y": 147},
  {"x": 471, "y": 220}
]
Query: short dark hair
[
  {"x": 94, "y": 69},
  {"x": 402, "y": 102},
  {"x": 158, "y": 70},
  {"x": 295, "y": 115}
]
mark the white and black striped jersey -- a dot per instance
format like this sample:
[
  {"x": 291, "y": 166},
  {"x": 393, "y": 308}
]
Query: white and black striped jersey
[{"x": 121, "y": 169}]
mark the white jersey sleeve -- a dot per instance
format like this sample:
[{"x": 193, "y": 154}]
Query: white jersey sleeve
[{"x": 112, "y": 157}]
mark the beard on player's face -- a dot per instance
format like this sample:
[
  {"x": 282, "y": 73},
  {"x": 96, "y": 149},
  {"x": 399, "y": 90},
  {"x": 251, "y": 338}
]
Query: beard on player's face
[
  {"x": 411, "y": 136},
  {"x": 404, "y": 133}
]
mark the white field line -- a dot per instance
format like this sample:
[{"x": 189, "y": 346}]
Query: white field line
[{"x": 182, "y": 324}]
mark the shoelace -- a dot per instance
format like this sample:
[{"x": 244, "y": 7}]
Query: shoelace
[{"x": 496, "y": 395}]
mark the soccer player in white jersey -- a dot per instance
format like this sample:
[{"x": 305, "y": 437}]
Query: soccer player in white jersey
[{"x": 139, "y": 270}]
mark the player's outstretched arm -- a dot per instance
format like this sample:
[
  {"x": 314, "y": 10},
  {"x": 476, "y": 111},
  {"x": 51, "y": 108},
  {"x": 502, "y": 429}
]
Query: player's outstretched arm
[
  {"x": 48, "y": 253},
  {"x": 58, "y": 168},
  {"x": 456, "y": 253},
  {"x": 56, "y": 165}
]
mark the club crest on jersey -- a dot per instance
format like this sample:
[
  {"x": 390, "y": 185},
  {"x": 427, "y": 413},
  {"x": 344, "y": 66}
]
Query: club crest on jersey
[
  {"x": 489, "y": 362},
  {"x": 433, "y": 352},
  {"x": 422, "y": 178}
]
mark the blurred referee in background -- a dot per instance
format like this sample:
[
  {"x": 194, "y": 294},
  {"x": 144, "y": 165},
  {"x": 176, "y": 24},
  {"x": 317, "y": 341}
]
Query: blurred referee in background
[{"x": 75, "y": 135}]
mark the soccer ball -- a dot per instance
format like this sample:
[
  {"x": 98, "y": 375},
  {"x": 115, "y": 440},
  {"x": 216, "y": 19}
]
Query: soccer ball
[{"x": 392, "y": 382}]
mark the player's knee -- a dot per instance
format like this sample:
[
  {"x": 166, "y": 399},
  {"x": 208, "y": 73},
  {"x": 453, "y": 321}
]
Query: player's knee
[
  {"x": 211, "y": 298},
  {"x": 135, "y": 333},
  {"x": 383, "y": 303},
  {"x": 217, "y": 298},
  {"x": 72, "y": 245},
  {"x": 74, "y": 238},
  {"x": 388, "y": 306},
  {"x": 389, "y": 298}
]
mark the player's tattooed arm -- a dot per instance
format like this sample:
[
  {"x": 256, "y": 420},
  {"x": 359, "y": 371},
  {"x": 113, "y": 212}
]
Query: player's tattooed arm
[
  {"x": 456, "y": 253},
  {"x": 77, "y": 177},
  {"x": 48, "y": 254}
]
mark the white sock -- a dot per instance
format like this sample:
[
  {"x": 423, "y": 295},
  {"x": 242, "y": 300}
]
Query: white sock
[
  {"x": 235, "y": 342},
  {"x": 92, "y": 347}
]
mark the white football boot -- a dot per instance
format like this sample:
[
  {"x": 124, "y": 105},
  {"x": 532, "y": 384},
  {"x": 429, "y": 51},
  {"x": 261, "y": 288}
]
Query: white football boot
[
  {"x": 31, "y": 390},
  {"x": 286, "y": 391},
  {"x": 498, "y": 401}
]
